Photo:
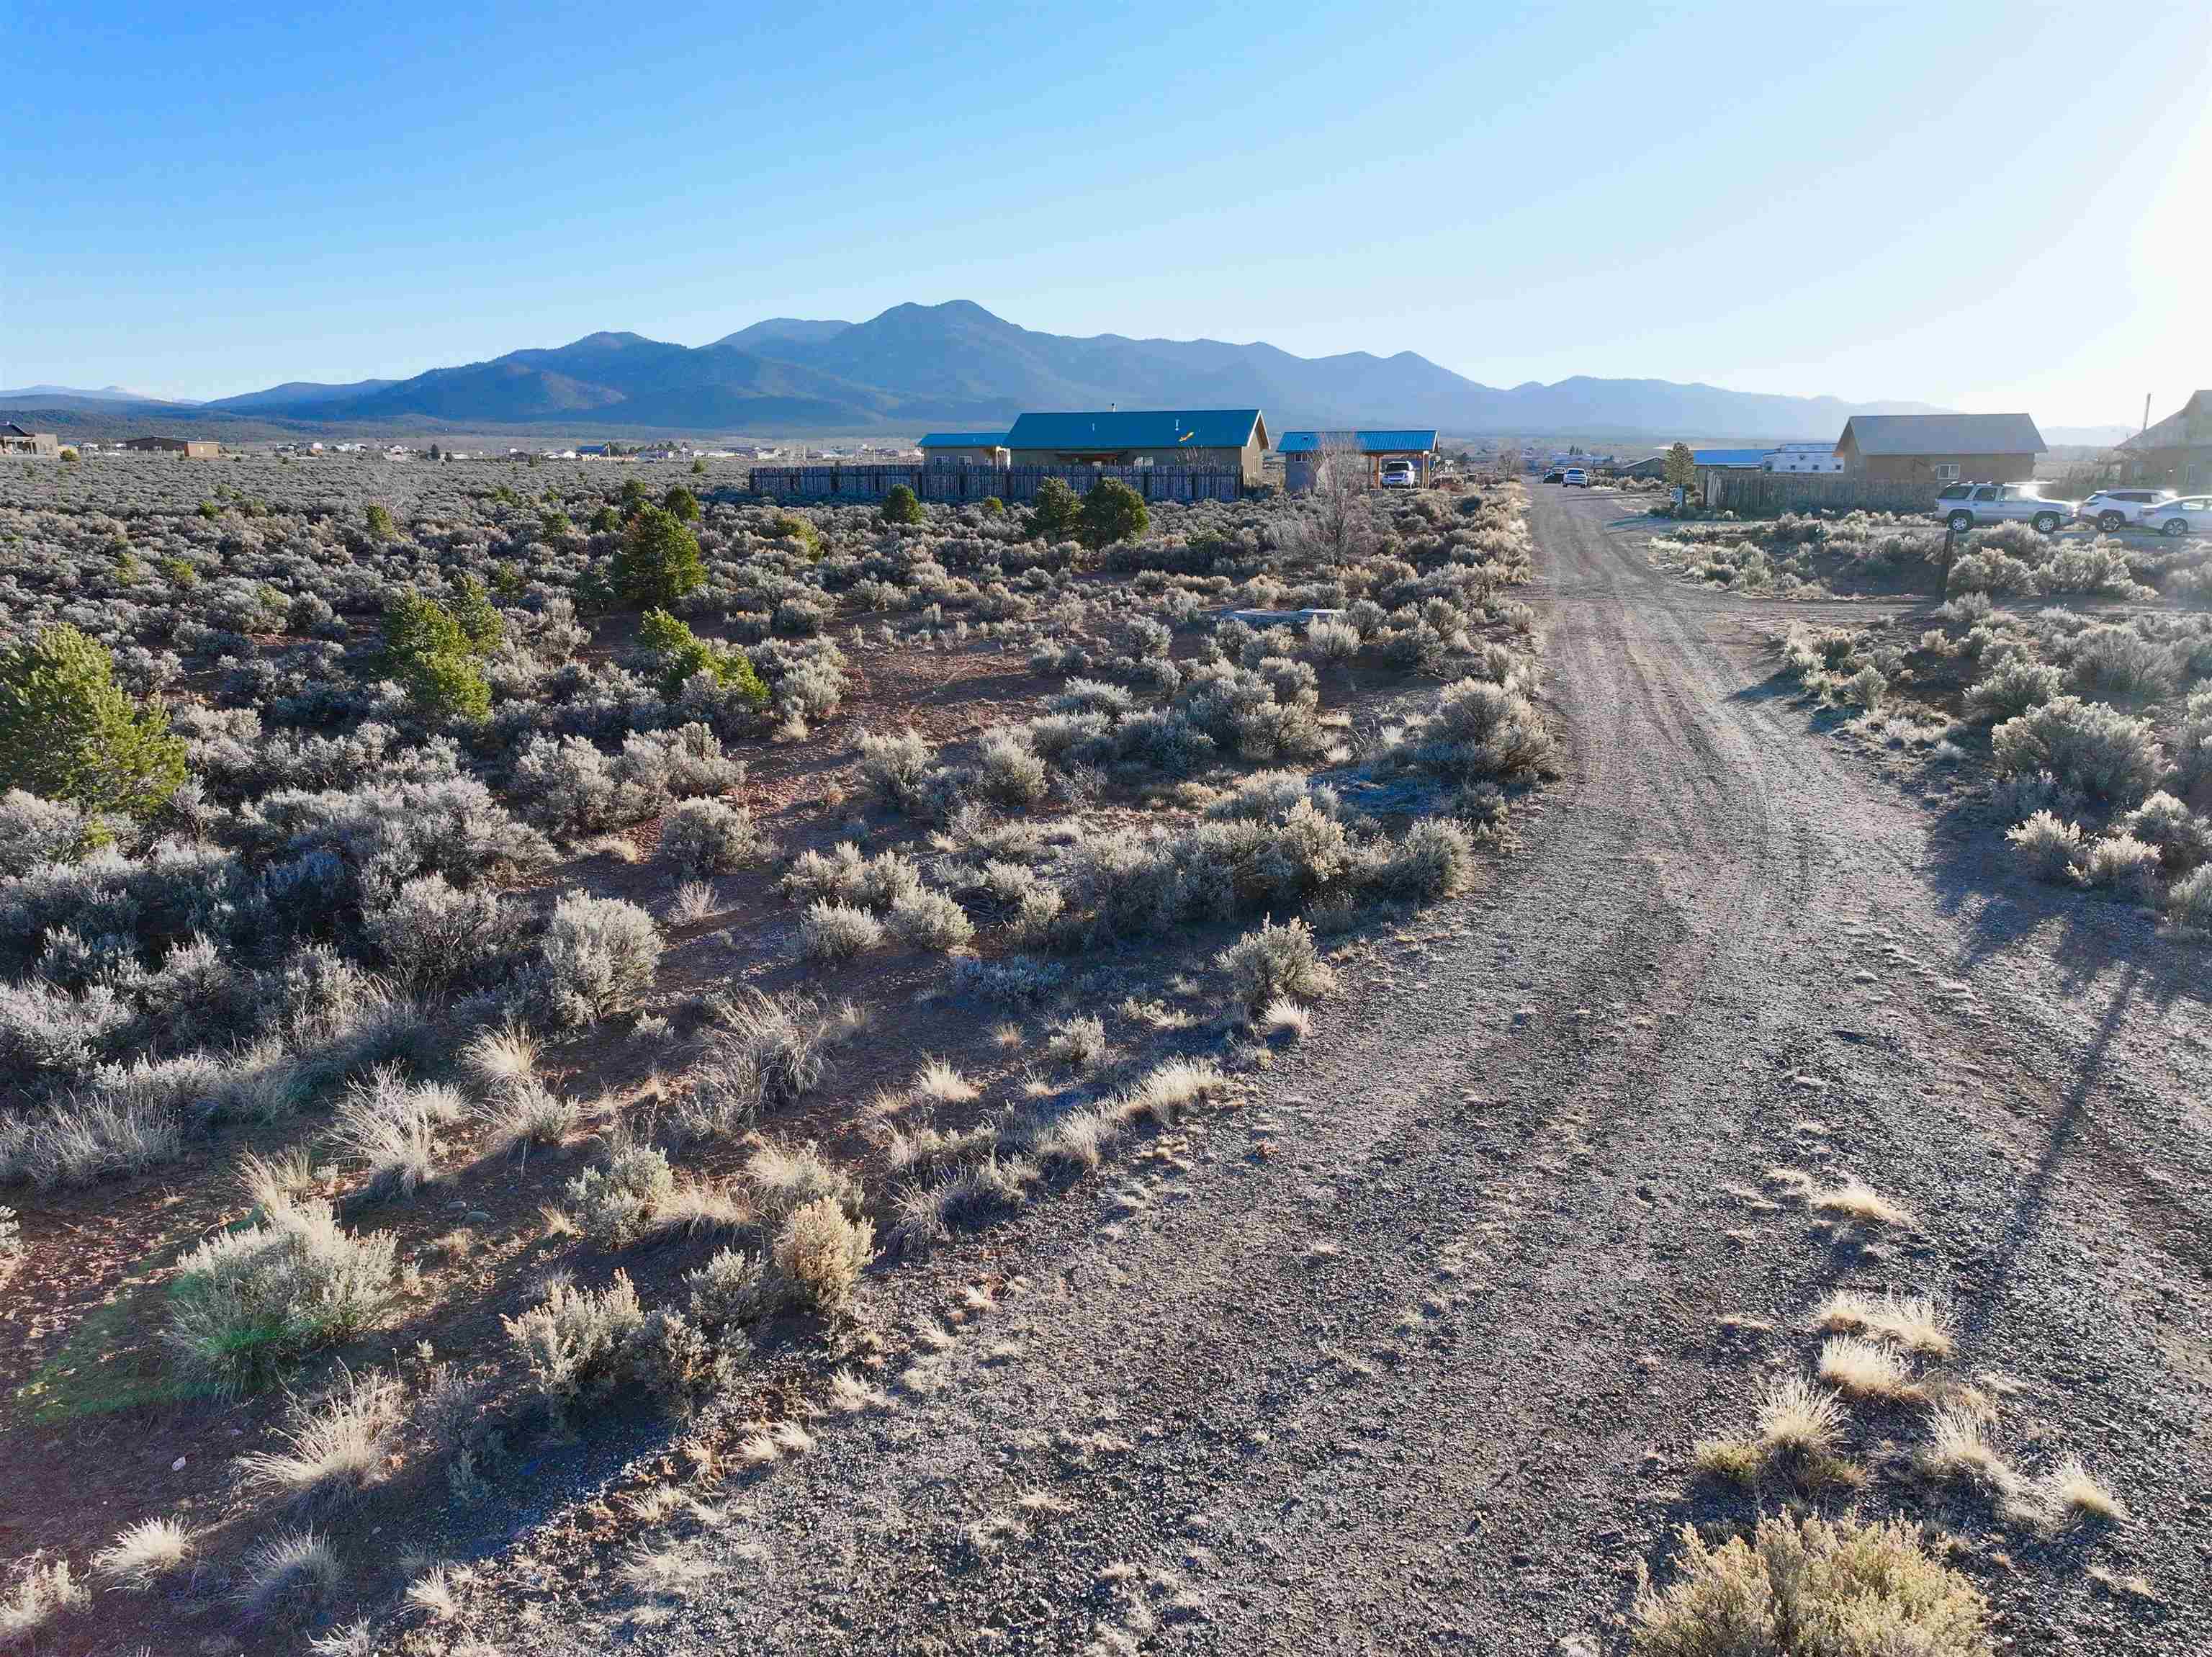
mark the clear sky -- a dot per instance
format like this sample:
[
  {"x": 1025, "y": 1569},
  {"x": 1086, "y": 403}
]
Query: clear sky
[{"x": 1981, "y": 204}]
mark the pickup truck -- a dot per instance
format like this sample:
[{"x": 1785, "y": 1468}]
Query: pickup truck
[{"x": 1964, "y": 505}]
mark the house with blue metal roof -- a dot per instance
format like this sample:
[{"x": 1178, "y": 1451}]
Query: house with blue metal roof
[
  {"x": 973, "y": 447},
  {"x": 1301, "y": 452},
  {"x": 1195, "y": 439}
]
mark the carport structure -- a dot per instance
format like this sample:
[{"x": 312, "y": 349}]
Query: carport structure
[{"x": 1301, "y": 452}]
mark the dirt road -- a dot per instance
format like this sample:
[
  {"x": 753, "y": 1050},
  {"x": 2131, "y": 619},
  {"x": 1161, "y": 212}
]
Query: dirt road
[{"x": 1411, "y": 1354}]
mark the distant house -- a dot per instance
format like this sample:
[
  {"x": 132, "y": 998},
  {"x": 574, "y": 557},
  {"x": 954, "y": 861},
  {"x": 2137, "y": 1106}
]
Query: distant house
[
  {"x": 1653, "y": 467},
  {"x": 1801, "y": 457},
  {"x": 1197, "y": 439},
  {"x": 16, "y": 439},
  {"x": 2177, "y": 452},
  {"x": 1301, "y": 452},
  {"x": 192, "y": 449},
  {"x": 965, "y": 448},
  {"x": 1940, "y": 448},
  {"x": 1729, "y": 459}
]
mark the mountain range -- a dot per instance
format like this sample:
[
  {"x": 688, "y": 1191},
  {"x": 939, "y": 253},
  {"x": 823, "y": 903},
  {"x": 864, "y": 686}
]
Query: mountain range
[{"x": 957, "y": 364}]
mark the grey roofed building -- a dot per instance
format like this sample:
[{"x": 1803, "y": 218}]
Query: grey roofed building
[
  {"x": 1942, "y": 434},
  {"x": 2176, "y": 451}
]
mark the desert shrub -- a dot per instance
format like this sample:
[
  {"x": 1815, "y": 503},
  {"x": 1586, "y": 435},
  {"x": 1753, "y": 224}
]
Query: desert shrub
[
  {"x": 844, "y": 875},
  {"x": 836, "y": 931},
  {"x": 598, "y": 958},
  {"x": 2011, "y": 689},
  {"x": 1009, "y": 773},
  {"x": 1991, "y": 572},
  {"x": 1058, "y": 513},
  {"x": 820, "y": 1253},
  {"x": 1477, "y": 730},
  {"x": 1433, "y": 859},
  {"x": 2086, "y": 746},
  {"x": 1078, "y": 1043},
  {"x": 680, "y": 656},
  {"x": 1863, "y": 689},
  {"x": 69, "y": 732},
  {"x": 577, "y": 1343},
  {"x": 432, "y": 935},
  {"x": 2123, "y": 865},
  {"x": 619, "y": 1200},
  {"x": 706, "y": 836},
  {"x": 523, "y": 1112},
  {"x": 658, "y": 563},
  {"x": 2049, "y": 846},
  {"x": 681, "y": 504},
  {"x": 902, "y": 506},
  {"x": 246, "y": 1304},
  {"x": 393, "y": 1128},
  {"x": 2116, "y": 662},
  {"x": 930, "y": 920},
  {"x": 1112, "y": 511},
  {"x": 34, "y": 831},
  {"x": 1811, "y": 1587},
  {"x": 2184, "y": 840},
  {"x": 2192, "y": 748},
  {"x": 1275, "y": 961},
  {"x": 895, "y": 768},
  {"x": 2188, "y": 900}
]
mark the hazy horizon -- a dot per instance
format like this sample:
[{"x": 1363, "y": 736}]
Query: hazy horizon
[{"x": 1616, "y": 194}]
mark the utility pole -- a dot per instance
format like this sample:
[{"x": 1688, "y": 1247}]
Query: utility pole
[{"x": 2146, "y": 424}]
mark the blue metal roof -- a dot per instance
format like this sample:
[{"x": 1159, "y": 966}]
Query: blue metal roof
[
  {"x": 1750, "y": 459},
  {"x": 963, "y": 440},
  {"x": 1369, "y": 442},
  {"x": 1137, "y": 428}
]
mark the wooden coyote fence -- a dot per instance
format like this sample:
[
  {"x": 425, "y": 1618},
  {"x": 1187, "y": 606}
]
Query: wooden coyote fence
[
  {"x": 1759, "y": 493},
  {"x": 952, "y": 484}
]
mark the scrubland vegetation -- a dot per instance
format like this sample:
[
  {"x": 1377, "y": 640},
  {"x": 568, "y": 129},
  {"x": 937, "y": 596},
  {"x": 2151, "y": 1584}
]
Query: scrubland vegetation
[
  {"x": 1822, "y": 555},
  {"x": 490, "y": 947},
  {"x": 2093, "y": 726}
]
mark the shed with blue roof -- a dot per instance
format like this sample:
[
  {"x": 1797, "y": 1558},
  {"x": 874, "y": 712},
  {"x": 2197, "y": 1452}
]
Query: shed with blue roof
[
  {"x": 1373, "y": 447},
  {"x": 974, "y": 448},
  {"x": 1197, "y": 439}
]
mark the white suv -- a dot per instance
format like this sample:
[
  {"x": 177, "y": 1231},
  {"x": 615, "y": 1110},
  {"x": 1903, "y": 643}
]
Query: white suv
[
  {"x": 1965, "y": 505},
  {"x": 1575, "y": 477},
  {"x": 1399, "y": 474},
  {"x": 2179, "y": 517},
  {"x": 2114, "y": 508}
]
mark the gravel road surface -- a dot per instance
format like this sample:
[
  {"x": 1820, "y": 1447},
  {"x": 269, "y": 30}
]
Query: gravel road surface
[{"x": 1409, "y": 1353}]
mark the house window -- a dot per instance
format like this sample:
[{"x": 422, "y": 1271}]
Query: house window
[{"x": 1946, "y": 471}]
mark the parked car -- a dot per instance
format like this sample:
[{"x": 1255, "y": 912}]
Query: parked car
[
  {"x": 1965, "y": 505},
  {"x": 1399, "y": 474},
  {"x": 2113, "y": 508},
  {"x": 2190, "y": 515},
  {"x": 1575, "y": 477},
  {"x": 1554, "y": 477}
]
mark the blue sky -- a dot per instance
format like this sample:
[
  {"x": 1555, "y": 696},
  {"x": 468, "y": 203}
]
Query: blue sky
[{"x": 1982, "y": 206}]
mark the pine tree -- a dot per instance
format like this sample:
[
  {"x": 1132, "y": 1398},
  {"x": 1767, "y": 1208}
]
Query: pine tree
[{"x": 67, "y": 731}]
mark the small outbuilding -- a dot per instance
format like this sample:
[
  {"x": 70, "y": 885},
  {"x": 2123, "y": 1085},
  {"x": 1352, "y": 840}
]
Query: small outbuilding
[
  {"x": 987, "y": 448},
  {"x": 1940, "y": 448},
  {"x": 1199, "y": 440},
  {"x": 192, "y": 449},
  {"x": 1302, "y": 453},
  {"x": 17, "y": 440}
]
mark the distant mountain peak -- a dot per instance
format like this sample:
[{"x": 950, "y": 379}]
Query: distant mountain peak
[{"x": 956, "y": 363}]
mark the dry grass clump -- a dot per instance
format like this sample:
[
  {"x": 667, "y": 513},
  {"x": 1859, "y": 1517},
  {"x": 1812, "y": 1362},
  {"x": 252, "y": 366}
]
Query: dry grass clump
[
  {"x": 1855, "y": 1202},
  {"x": 1078, "y": 1043},
  {"x": 40, "y": 1588},
  {"x": 1079, "y": 1138},
  {"x": 335, "y": 1446},
  {"x": 290, "y": 1573},
  {"x": 392, "y": 1127},
  {"x": 1912, "y": 1322},
  {"x": 1736, "y": 1459},
  {"x": 2074, "y": 1495},
  {"x": 500, "y": 1057},
  {"x": 1796, "y": 1415},
  {"x": 1284, "y": 1017},
  {"x": 1959, "y": 1448},
  {"x": 526, "y": 1112},
  {"x": 437, "y": 1591},
  {"x": 784, "y": 1177},
  {"x": 1811, "y": 1587},
  {"x": 1861, "y": 1368},
  {"x": 1170, "y": 1089},
  {"x": 941, "y": 1082},
  {"x": 851, "y": 1396},
  {"x": 143, "y": 1553}
]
